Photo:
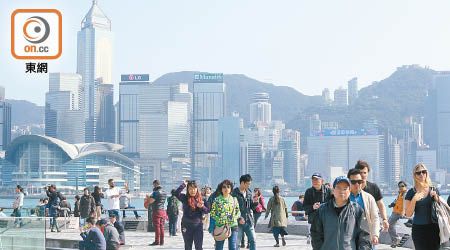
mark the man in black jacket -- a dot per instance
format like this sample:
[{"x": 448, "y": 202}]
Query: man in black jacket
[
  {"x": 337, "y": 222},
  {"x": 157, "y": 200},
  {"x": 246, "y": 206},
  {"x": 314, "y": 196}
]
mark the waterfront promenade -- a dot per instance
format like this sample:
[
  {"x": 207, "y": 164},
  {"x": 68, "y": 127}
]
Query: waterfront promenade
[{"x": 140, "y": 240}]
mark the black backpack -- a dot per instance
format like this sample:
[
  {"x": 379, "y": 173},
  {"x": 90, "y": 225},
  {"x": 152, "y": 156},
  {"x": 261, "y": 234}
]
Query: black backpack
[{"x": 172, "y": 206}]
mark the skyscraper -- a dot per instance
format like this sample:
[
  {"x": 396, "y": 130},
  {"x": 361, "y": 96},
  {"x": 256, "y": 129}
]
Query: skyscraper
[
  {"x": 94, "y": 64},
  {"x": 229, "y": 147},
  {"x": 208, "y": 107},
  {"x": 260, "y": 109},
  {"x": 128, "y": 115},
  {"x": 340, "y": 97},
  {"x": 326, "y": 97},
  {"x": 439, "y": 116},
  {"x": 105, "y": 121},
  {"x": 352, "y": 90},
  {"x": 5, "y": 120},
  {"x": 290, "y": 146},
  {"x": 63, "y": 108}
]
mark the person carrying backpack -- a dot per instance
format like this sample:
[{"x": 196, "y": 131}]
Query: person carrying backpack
[{"x": 172, "y": 212}]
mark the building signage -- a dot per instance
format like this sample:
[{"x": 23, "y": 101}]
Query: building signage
[
  {"x": 208, "y": 77},
  {"x": 345, "y": 132},
  {"x": 134, "y": 78}
]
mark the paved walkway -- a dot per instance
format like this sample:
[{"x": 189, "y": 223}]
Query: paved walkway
[{"x": 140, "y": 240}]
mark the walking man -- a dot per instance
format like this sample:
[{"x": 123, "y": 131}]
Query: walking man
[
  {"x": 371, "y": 221},
  {"x": 314, "y": 196},
  {"x": 246, "y": 206},
  {"x": 337, "y": 222},
  {"x": 374, "y": 190}
]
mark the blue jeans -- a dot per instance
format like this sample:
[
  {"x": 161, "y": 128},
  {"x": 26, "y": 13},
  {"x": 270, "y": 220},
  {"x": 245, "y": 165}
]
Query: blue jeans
[
  {"x": 232, "y": 242},
  {"x": 173, "y": 224},
  {"x": 114, "y": 211},
  {"x": 131, "y": 207},
  {"x": 249, "y": 230},
  {"x": 18, "y": 213}
]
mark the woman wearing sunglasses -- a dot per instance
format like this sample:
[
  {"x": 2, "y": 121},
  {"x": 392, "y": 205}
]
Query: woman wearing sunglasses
[
  {"x": 419, "y": 200},
  {"x": 225, "y": 211}
]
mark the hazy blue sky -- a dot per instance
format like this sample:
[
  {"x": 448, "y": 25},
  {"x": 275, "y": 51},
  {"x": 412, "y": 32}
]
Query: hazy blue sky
[{"x": 308, "y": 45}]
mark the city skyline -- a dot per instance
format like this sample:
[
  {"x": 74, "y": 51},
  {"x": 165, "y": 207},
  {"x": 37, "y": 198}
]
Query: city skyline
[{"x": 358, "y": 51}]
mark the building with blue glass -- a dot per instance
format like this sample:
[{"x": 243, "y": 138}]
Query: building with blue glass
[{"x": 37, "y": 161}]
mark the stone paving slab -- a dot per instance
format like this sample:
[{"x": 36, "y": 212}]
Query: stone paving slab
[{"x": 140, "y": 240}]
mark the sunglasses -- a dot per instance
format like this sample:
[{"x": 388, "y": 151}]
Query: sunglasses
[
  {"x": 421, "y": 172},
  {"x": 356, "y": 181},
  {"x": 226, "y": 186},
  {"x": 401, "y": 186}
]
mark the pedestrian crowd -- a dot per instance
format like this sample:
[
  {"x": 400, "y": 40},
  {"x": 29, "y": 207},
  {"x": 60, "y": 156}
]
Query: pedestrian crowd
[{"x": 348, "y": 214}]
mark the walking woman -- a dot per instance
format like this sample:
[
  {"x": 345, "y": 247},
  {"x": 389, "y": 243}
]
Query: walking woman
[
  {"x": 261, "y": 205},
  {"x": 193, "y": 210},
  {"x": 87, "y": 207},
  {"x": 225, "y": 211},
  {"x": 419, "y": 200},
  {"x": 279, "y": 216},
  {"x": 17, "y": 205},
  {"x": 98, "y": 195}
]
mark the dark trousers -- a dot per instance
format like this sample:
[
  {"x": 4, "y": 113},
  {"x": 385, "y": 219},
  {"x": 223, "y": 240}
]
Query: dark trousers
[
  {"x": 256, "y": 215},
  {"x": 426, "y": 237},
  {"x": 173, "y": 224},
  {"x": 135, "y": 212},
  {"x": 158, "y": 224},
  {"x": 192, "y": 233}
]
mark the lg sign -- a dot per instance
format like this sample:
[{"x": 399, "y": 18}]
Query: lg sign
[{"x": 36, "y": 34}]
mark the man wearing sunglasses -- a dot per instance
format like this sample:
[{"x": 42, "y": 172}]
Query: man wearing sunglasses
[
  {"x": 397, "y": 213},
  {"x": 370, "y": 223}
]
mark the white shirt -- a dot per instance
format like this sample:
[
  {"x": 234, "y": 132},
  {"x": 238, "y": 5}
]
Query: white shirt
[{"x": 113, "y": 203}]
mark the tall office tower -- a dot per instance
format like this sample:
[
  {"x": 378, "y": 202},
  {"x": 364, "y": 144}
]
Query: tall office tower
[
  {"x": 394, "y": 164},
  {"x": 273, "y": 167},
  {"x": 5, "y": 121},
  {"x": 104, "y": 127},
  {"x": 315, "y": 124},
  {"x": 229, "y": 150},
  {"x": 128, "y": 115},
  {"x": 326, "y": 97},
  {"x": 260, "y": 109},
  {"x": 63, "y": 108},
  {"x": 255, "y": 157},
  {"x": 340, "y": 97},
  {"x": 442, "y": 114},
  {"x": 208, "y": 107},
  {"x": 178, "y": 136},
  {"x": 153, "y": 125},
  {"x": 180, "y": 93},
  {"x": 290, "y": 146},
  {"x": 352, "y": 90},
  {"x": 94, "y": 62}
]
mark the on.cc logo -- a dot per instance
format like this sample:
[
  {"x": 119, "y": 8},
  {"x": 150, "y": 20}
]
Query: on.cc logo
[{"x": 36, "y": 34}]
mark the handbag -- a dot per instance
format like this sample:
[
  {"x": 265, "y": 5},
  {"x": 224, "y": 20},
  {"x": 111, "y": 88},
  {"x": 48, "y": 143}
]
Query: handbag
[
  {"x": 434, "y": 207},
  {"x": 221, "y": 233}
]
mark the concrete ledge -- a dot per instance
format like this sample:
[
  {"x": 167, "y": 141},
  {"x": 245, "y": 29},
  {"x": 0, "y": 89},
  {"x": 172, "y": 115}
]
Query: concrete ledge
[{"x": 302, "y": 228}]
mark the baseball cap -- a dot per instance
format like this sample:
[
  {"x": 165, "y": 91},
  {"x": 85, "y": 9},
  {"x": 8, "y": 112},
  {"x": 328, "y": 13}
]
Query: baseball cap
[
  {"x": 339, "y": 179},
  {"x": 317, "y": 175},
  {"x": 156, "y": 182}
]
